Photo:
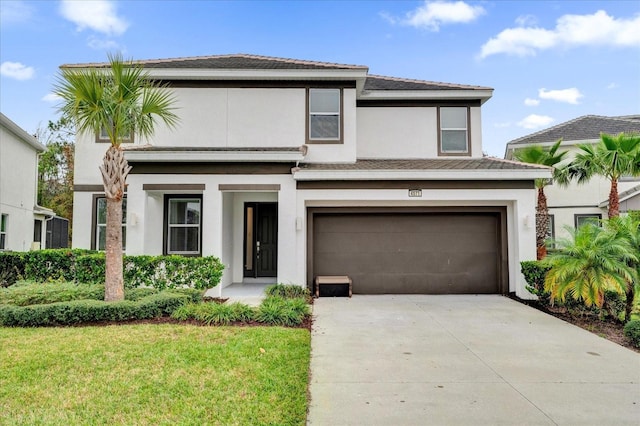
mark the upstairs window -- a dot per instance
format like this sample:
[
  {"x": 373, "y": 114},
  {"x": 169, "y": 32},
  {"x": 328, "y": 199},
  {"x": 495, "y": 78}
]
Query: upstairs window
[
  {"x": 325, "y": 117},
  {"x": 3, "y": 231},
  {"x": 454, "y": 130},
  {"x": 103, "y": 137}
]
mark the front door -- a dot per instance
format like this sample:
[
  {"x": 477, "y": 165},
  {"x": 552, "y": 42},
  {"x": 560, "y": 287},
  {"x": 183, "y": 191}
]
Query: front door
[{"x": 260, "y": 239}]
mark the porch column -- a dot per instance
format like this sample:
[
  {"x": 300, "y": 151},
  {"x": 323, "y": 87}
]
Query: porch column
[{"x": 211, "y": 232}]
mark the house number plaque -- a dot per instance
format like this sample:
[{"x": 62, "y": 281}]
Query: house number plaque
[{"x": 415, "y": 193}]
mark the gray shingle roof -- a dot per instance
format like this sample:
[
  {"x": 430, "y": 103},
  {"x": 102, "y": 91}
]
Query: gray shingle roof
[
  {"x": 152, "y": 148},
  {"x": 379, "y": 82},
  {"x": 233, "y": 61},
  {"x": 582, "y": 128},
  {"x": 484, "y": 163}
]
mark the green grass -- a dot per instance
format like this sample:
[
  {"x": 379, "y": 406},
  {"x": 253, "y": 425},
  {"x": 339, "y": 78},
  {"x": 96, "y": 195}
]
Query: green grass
[{"x": 154, "y": 375}]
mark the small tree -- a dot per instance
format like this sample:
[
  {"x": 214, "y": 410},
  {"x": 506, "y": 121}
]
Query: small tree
[
  {"x": 537, "y": 154},
  {"x": 121, "y": 100},
  {"x": 627, "y": 228},
  {"x": 612, "y": 158},
  {"x": 590, "y": 262}
]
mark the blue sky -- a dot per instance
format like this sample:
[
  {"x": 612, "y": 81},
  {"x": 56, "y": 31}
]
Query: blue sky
[{"x": 548, "y": 61}]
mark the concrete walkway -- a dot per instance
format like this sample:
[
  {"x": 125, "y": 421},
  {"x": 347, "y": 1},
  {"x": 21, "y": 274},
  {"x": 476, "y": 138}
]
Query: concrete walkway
[{"x": 463, "y": 360}]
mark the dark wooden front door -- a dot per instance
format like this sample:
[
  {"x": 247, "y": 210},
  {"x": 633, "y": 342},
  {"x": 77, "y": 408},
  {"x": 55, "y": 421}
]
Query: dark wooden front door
[{"x": 260, "y": 239}]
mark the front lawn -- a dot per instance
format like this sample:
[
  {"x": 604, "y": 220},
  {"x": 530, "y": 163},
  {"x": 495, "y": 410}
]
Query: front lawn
[{"x": 154, "y": 374}]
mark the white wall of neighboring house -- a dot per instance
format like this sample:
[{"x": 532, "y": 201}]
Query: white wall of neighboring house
[{"x": 18, "y": 183}]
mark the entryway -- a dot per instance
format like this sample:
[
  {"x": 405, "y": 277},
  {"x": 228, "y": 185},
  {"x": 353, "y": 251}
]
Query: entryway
[{"x": 260, "y": 239}]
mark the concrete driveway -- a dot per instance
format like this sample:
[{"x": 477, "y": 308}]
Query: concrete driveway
[{"x": 463, "y": 360}]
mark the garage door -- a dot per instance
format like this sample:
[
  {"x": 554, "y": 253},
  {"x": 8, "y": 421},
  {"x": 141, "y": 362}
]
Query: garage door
[{"x": 404, "y": 253}]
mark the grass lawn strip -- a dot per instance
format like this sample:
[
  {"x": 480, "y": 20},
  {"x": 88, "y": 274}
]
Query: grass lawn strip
[{"x": 154, "y": 375}]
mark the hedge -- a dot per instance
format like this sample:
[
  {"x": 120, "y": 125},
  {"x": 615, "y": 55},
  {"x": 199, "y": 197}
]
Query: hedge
[
  {"x": 534, "y": 274},
  {"x": 83, "y": 266},
  {"x": 632, "y": 331},
  {"x": 86, "y": 311}
]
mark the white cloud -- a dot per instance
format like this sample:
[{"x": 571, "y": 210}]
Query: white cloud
[
  {"x": 570, "y": 96},
  {"x": 98, "y": 44},
  {"x": 13, "y": 12},
  {"x": 432, "y": 14},
  {"x": 502, "y": 125},
  {"x": 531, "y": 102},
  {"x": 17, "y": 70},
  {"x": 526, "y": 20},
  {"x": 51, "y": 97},
  {"x": 570, "y": 31},
  {"x": 535, "y": 121},
  {"x": 97, "y": 15},
  {"x": 613, "y": 85}
]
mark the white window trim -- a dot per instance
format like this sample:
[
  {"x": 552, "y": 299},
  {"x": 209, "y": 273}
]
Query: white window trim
[
  {"x": 104, "y": 225},
  {"x": 4, "y": 218}
]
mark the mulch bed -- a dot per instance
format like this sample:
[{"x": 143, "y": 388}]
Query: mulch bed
[{"x": 608, "y": 329}]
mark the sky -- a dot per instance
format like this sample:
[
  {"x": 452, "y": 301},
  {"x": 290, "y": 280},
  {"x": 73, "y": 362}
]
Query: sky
[{"x": 547, "y": 61}]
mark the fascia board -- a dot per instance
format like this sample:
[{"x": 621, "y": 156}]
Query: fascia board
[
  {"x": 207, "y": 156},
  {"x": 21, "y": 134},
  {"x": 426, "y": 94},
  {"x": 421, "y": 174}
]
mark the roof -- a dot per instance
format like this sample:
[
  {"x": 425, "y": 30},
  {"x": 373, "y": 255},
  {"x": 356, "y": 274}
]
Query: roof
[
  {"x": 587, "y": 127},
  {"x": 379, "y": 82},
  {"x": 484, "y": 163},
  {"x": 21, "y": 134},
  {"x": 623, "y": 196},
  {"x": 240, "y": 61}
]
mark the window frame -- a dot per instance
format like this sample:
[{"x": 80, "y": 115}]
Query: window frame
[
  {"x": 95, "y": 240},
  {"x": 167, "y": 225},
  {"x": 340, "y": 115},
  {"x": 104, "y": 138},
  {"x": 4, "y": 221},
  {"x": 578, "y": 216},
  {"x": 552, "y": 230},
  {"x": 441, "y": 151}
]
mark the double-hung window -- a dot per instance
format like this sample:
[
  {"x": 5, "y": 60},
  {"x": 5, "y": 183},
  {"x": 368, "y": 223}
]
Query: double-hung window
[
  {"x": 184, "y": 224},
  {"x": 324, "y": 115},
  {"x": 454, "y": 130},
  {"x": 101, "y": 224},
  {"x": 103, "y": 136},
  {"x": 583, "y": 219},
  {"x": 4, "y": 218}
]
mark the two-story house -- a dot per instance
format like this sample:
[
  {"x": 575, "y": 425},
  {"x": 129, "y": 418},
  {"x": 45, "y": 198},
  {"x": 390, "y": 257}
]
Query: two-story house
[
  {"x": 577, "y": 203},
  {"x": 291, "y": 169},
  {"x": 23, "y": 223}
]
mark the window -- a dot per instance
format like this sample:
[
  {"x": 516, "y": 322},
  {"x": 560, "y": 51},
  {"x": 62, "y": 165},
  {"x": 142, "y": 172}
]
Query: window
[
  {"x": 3, "y": 231},
  {"x": 104, "y": 137},
  {"x": 551, "y": 232},
  {"x": 183, "y": 224},
  {"x": 325, "y": 122},
  {"x": 100, "y": 235},
  {"x": 582, "y": 219},
  {"x": 454, "y": 130}
]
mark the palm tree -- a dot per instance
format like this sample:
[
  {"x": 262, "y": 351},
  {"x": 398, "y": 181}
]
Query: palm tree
[
  {"x": 537, "y": 154},
  {"x": 121, "y": 100},
  {"x": 628, "y": 228},
  {"x": 612, "y": 158},
  {"x": 590, "y": 262}
]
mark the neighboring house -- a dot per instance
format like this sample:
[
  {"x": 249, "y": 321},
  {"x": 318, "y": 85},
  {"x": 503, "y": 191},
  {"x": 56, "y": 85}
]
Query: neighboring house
[
  {"x": 290, "y": 169},
  {"x": 577, "y": 203},
  {"x": 23, "y": 223}
]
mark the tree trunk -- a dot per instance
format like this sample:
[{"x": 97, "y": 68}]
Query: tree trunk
[
  {"x": 631, "y": 293},
  {"x": 614, "y": 200},
  {"x": 114, "y": 174},
  {"x": 542, "y": 224}
]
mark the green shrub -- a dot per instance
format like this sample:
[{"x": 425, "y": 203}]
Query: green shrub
[
  {"x": 288, "y": 291},
  {"x": 37, "y": 294},
  {"x": 52, "y": 264},
  {"x": 275, "y": 310},
  {"x": 11, "y": 267},
  {"x": 87, "y": 311},
  {"x": 632, "y": 331},
  {"x": 90, "y": 268},
  {"x": 534, "y": 274},
  {"x": 214, "y": 313}
]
